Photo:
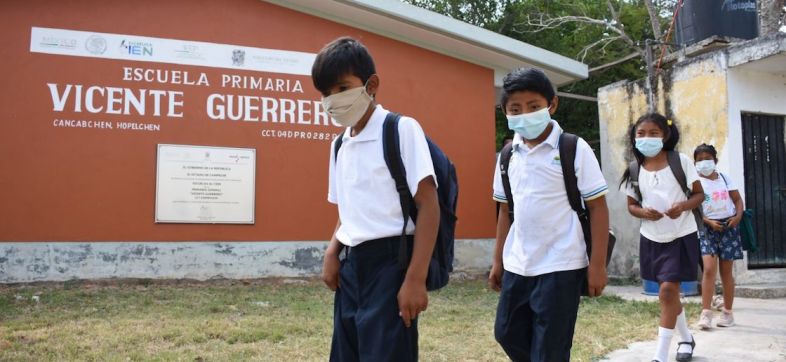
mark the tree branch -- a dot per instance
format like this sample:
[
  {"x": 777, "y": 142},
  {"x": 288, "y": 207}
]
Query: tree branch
[
  {"x": 654, "y": 21},
  {"x": 614, "y": 14},
  {"x": 546, "y": 22},
  {"x": 605, "y": 41}
]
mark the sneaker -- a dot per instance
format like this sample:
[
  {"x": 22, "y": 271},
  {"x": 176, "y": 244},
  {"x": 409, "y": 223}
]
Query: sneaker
[
  {"x": 726, "y": 319},
  {"x": 717, "y": 303},
  {"x": 705, "y": 320}
]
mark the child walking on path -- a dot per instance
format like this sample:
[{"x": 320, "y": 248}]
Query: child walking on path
[
  {"x": 720, "y": 239},
  {"x": 669, "y": 245},
  {"x": 377, "y": 300},
  {"x": 540, "y": 260}
]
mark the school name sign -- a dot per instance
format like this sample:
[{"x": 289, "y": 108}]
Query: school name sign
[{"x": 152, "y": 91}]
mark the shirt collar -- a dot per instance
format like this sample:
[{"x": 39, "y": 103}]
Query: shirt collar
[
  {"x": 552, "y": 140},
  {"x": 373, "y": 129}
]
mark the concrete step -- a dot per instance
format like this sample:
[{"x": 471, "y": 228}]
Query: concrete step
[{"x": 761, "y": 291}]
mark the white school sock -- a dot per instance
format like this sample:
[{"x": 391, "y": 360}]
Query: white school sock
[
  {"x": 664, "y": 340},
  {"x": 682, "y": 327}
]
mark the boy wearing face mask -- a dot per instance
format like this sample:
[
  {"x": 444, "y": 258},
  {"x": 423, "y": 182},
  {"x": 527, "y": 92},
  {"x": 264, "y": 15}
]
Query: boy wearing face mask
[
  {"x": 377, "y": 301},
  {"x": 540, "y": 260},
  {"x": 720, "y": 239}
]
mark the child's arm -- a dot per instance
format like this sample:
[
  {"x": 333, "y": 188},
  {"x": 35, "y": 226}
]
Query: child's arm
[
  {"x": 412, "y": 297},
  {"x": 695, "y": 200},
  {"x": 597, "y": 276},
  {"x": 503, "y": 227},
  {"x": 635, "y": 209},
  {"x": 735, "y": 196},
  {"x": 331, "y": 264}
]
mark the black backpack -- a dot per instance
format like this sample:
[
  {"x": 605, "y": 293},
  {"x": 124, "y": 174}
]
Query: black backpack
[
  {"x": 442, "y": 258},
  {"x": 675, "y": 164},
  {"x": 567, "y": 155}
]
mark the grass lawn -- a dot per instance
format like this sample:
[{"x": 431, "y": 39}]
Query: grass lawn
[{"x": 268, "y": 320}]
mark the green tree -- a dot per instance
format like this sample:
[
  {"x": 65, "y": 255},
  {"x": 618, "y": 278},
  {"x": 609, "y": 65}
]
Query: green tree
[{"x": 592, "y": 31}]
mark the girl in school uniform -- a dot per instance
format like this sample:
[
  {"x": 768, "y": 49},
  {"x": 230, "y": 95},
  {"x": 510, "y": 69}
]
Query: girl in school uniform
[
  {"x": 720, "y": 239},
  {"x": 669, "y": 244}
]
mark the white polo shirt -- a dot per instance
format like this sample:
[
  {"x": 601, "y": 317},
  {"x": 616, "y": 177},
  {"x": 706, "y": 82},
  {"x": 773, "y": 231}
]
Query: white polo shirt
[
  {"x": 361, "y": 185},
  {"x": 546, "y": 234},
  {"x": 661, "y": 190}
]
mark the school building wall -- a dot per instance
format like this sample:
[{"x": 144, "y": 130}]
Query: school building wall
[
  {"x": 78, "y": 196},
  {"x": 705, "y": 95}
]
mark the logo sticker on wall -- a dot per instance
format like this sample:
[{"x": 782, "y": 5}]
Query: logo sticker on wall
[
  {"x": 238, "y": 57},
  {"x": 95, "y": 44},
  {"x": 136, "y": 48}
]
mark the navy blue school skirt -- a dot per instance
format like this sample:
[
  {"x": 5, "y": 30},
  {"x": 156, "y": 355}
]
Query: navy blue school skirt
[{"x": 675, "y": 261}]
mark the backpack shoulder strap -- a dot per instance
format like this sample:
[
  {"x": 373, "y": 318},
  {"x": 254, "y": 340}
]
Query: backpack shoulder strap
[
  {"x": 567, "y": 155},
  {"x": 337, "y": 146},
  {"x": 675, "y": 164},
  {"x": 391, "y": 149},
  {"x": 724, "y": 179},
  {"x": 504, "y": 163},
  {"x": 568, "y": 144},
  {"x": 633, "y": 171}
]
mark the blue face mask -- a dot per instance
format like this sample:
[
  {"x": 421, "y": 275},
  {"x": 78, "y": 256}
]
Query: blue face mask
[
  {"x": 649, "y": 146},
  {"x": 530, "y": 125}
]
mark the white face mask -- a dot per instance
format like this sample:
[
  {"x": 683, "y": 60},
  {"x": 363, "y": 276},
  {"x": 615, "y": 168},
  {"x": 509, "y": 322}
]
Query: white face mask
[
  {"x": 530, "y": 125},
  {"x": 349, "y": 106},
  {"x": 706, "y": 167}
]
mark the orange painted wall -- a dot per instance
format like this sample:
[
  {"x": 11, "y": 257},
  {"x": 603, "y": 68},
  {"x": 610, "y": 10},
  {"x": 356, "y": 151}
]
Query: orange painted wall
[{"x": 70, "y": 184}]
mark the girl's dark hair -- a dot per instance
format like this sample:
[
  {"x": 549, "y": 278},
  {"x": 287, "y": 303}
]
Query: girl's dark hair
[
  {"x": 671, "y": 137},
  {"x": 526, "y": 79},
  {"x": 340, "y": 57},
  {"x": 705, "y": 148}
]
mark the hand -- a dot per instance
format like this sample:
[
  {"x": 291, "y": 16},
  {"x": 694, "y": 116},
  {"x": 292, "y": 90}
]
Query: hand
[
  {"x": 412, "y": 299},
  {"x": 495, "y": 276},
  {"x": 651, "y": 214},
  {"x": 330, "y": 268},
  {"x": 676, "y": 210},
  {"x": 714, "y": 224},
  {"x": 597, "y": 278},
  {"x": 734, "y": 221}
]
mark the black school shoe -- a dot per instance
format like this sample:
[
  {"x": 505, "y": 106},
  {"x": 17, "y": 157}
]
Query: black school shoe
[{"x": 685, "y": 357}]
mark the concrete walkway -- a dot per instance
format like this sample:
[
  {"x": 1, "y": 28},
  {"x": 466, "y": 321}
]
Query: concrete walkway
[{"x": 758, "y": 336}]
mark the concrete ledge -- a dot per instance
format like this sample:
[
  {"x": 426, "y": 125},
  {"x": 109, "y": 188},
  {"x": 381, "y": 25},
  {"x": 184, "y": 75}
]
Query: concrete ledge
[
  {"x": 760, "y": 291},
  {"x": 24, "y": 262}
]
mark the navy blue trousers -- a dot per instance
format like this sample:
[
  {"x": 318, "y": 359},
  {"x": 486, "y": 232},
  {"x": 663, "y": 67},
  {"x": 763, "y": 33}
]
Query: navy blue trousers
[
  {"x": 366, "y": 324},
  {"x": 536, "y": 315}
]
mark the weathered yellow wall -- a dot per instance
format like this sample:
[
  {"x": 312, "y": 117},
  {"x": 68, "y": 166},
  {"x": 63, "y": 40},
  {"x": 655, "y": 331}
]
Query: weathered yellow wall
[
  {"x": 694, "y": 95},
  {"x": 699, "y": 102}
]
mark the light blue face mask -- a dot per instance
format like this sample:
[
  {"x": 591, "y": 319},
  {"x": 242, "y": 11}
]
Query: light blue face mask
[
  {"x": 649, "y": 146},
  {"x": 706, "y": 167},
  {"x": 530, "y": 125}
]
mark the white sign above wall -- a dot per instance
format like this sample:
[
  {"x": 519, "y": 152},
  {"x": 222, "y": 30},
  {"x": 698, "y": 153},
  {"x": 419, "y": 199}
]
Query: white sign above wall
[{"x": 172, "y": 51}]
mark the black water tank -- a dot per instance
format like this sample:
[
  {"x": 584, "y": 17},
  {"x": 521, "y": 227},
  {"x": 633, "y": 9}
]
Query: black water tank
[{"x": 701, "y": 19}]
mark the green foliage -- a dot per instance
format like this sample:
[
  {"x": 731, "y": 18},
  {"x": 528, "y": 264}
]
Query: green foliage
[{"x": 510, "y": 18}]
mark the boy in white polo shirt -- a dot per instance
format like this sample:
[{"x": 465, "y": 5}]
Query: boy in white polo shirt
[
  {"x": 540, "y": 261},
  {"x": 377, "y": 300}
]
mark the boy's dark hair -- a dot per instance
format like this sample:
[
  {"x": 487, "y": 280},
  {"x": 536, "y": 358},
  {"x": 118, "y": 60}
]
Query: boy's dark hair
[
  {"x": 526, "y": 79},
  {"x": 338, "y": 58},
  {"x": 705, "y": 148},
  {"x": 671, "y": 137}
]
